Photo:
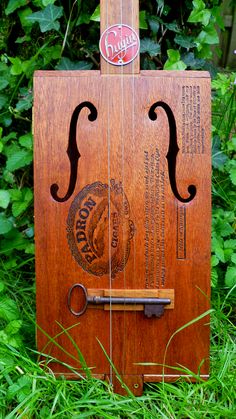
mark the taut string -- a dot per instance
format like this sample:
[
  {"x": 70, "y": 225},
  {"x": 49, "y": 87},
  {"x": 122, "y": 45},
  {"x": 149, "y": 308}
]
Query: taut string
[{"x": 109, "y": 208}]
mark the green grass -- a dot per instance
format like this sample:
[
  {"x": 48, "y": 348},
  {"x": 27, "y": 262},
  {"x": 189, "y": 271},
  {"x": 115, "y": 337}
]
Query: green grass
[{"x": 28, "y": 391}]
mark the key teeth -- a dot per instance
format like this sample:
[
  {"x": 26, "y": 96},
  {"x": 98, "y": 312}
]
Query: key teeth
[{"x": 153, "y": 311}]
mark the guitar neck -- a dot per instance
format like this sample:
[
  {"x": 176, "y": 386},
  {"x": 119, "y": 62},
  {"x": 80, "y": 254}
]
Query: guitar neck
[{"x": 115, "y": 12}]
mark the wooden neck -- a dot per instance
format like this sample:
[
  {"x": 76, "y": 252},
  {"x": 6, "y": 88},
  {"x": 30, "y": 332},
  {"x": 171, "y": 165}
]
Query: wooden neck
[{"x": 115, "y": 12}]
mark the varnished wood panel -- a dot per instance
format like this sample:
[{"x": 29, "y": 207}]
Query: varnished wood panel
[{"x": 163, "y": 243}]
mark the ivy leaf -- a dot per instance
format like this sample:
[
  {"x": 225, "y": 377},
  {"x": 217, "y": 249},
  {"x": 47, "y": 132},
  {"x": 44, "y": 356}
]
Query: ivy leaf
[
  {"x": 225, "y": 229},
  {"x": 11, "y": 136},
  {"x": 154, "y": 24},
  {"x": 47, "y": 2},
  {"x": 3, "y": 101},
  {"x": 199, "y": 13},
  {"x": 13, "y": 327},
  {"x": 228, "y": 253},
  {"x": 216, "y": 12},
  {"x": 3, "y": 83},
  {"x": 173, "y": 55},
  {"x": 142, "y": 20},
  {"x": 184, "y": 41},
  {"x": 21, "y": 39},
  {"x": 4, "y": 198},
  {"x": 217, "y": 248},
  {"x": 21, "y": 389},
  {"x": 193, "y": 62},
  {"x": 25, "y": 101},
  {"x": 5, "y": 224},
  {"x": 26, "y": 141},
  {"x": 17, "y": 158},
  {"x": 3, "y": 67},
  {"x": 232, "y": 175},
  {"x": 204, "y": 51},
  {"x": 218, "y": 157},
  {"x": 29, "y": 66},
  {"x": 214, "y": 278},
  {"x": 208, "y": 35},
  {"x": 47, "y": 18},
  {"x": 51, "y": 53},
  {"x": 148, "y": 64},
  {"x": 30, "y": 249},
  {"x": 220, "y": 254},
  {"x": 29, "y": 232},
  {"x": 15, "y": 194},
  {"x": 172, "y": 26},
  {"x": 19, "y": 206},
  {"x": 8, "y": 309},
  {"x": 84, "y": 17},
  {"x": 233, "y": 258},
  {"x": 230, "y": 244},
  {"x": 8, "y": 177},
  {"x": 23, "y": 14},
  {"x": 230, "y": 276},
  {"x": 67, "y": 64},
  {"x": 16, "y": 68},
  {"x": 96, "y": 14},
  {"x": 214, "y": 261},
  {"x": 174, "y": 62},
  {"x": 232, "y": 144},
  {"x": 150, "y": 46},
  {"x": 13, "y": 240},
  {"x": 222, "y": 83},
  {"x": 14, "y": 4}
]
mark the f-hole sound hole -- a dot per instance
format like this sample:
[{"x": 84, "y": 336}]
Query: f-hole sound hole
[
  {"x": 172, "y": 150},
  {"x": 73, "y": 151}
]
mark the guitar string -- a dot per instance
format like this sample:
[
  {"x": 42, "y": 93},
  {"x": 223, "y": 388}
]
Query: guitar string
[
  {"x": 133, "y": 166},
  {"x": 107, "y": 67},
  {"x": 135, "y": 10},
  {"x": 123, "y": 345}
]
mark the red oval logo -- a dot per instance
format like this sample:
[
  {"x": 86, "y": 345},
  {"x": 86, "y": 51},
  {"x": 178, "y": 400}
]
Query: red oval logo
[{"x": 119, "y": 44}]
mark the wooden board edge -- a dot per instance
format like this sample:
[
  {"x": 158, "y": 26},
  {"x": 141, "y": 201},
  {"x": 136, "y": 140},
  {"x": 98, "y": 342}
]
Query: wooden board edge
[
  {"x": 176, "y": 73},
  {"x": 73, "y": 376},
  {"x": 171, "y": 378},
  {"x": 147, "y": 378},
  {"x": 145, "y": 73},
  {"x": 66, "y": 73}
]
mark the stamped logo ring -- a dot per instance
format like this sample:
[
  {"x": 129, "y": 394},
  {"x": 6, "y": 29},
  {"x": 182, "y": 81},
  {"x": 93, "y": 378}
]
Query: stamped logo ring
[
  {"x": 119, "y": 44},
  {"x": 99, "y": 228}
]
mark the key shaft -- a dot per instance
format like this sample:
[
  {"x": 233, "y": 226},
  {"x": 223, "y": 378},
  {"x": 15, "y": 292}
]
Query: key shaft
[{"x": 126, "y": 300}]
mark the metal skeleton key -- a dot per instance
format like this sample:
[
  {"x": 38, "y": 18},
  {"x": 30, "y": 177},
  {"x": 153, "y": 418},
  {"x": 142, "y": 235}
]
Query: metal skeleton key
[{"x": 152, "y": 306}]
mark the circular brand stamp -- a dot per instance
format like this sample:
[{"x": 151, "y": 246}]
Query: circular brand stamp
[
  {"x": 99, "y": 229},
  {"x": 119, "y": 44}
]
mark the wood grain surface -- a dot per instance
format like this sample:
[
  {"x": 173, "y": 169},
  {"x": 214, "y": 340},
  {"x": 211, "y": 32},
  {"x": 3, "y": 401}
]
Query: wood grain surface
[
  {"x": 115, "y": 12},
  {"x": 123, "y": 225}
]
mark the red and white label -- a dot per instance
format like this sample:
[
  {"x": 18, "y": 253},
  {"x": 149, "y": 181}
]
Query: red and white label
[{"x": 119, "y": 44}]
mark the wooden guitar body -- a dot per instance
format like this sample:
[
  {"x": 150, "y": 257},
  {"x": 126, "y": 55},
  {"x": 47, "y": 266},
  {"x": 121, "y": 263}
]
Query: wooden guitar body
[{"x": 122, "y": 206}]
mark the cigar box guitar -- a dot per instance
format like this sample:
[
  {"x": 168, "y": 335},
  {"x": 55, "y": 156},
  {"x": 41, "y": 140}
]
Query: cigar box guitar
[{"x": 122, "y": 214}]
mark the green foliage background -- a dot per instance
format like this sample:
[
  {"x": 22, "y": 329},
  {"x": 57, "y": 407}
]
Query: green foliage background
[{"x": 57, "y": 34}]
